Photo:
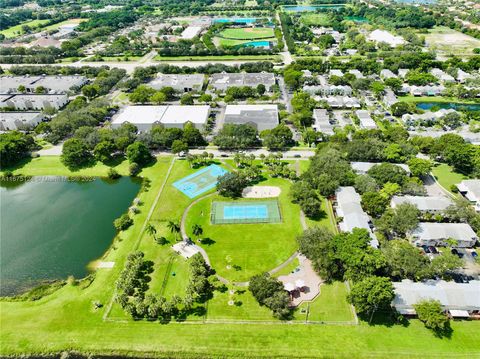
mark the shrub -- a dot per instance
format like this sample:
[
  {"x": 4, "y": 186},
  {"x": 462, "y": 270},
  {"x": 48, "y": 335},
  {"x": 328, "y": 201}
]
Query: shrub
[{"x": 123, "y": 222}]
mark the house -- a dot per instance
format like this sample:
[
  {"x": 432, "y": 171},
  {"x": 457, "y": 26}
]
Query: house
[
  {"x": 322, "y": 122},
  {"x": 191, "y": 31},
  {"x": 386, "y": 37},
  {"x": 222, "y": 81},
  {"x": 340, "y": 101},
  {"x": 437, "y": 234},
  {"x": 429, "y": 90},
  {"x": 356, "y": 73},
  {"x": 10, "y": 121},
  {"x": 463, "y": 76},
  {"x": 334, "y": 72},
  {"x": 470, "y": 189},
  {"x": 174, "y": 116},
  {"x": 348, "y": 207},
  {"x": 33, "y": 101},
  {"x": 442, "y": 75},
  {"x": 328, "y": 90},
  {"x": 424, "y": 204},
  {"x": 362, "y": 168},
  {"x": 468, "y": 136},
  {"x": 387, "y": 74},
  {"x": 427, "y": 118},
  {"x": 460, "y": 299},
  {"x": 262, "y": 117},
  {"x": 403, "y": 72},
  {"x": 366, "y": 121},
  {"x": 179, "y": 82},
  {"x": 52, "y": 84},
  {"x": 389, "y": 99}
]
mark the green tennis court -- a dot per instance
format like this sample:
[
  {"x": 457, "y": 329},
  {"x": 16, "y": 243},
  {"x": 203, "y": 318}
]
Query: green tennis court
[{"x": 245, "y": 212}]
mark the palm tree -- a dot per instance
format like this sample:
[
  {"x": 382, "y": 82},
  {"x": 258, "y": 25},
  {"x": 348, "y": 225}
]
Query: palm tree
[
  {"x": 151, "y": 230},
  {"x": 174, "y": 228},
  {"x": 197, "y": 230}
]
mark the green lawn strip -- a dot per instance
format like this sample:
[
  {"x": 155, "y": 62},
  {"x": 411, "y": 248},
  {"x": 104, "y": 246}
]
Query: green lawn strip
[
  {"x": 245, "y": 306},
  {"x": 62, "y": 23},
  {"x": 313, "y": 19},
  {"x": 254, "y": 248},
  {"x": 52, "y": 166},
  {"x": 17, "y": 29},
  {"x": 330, "y": 305},
  {"x": 218, "y": 58},
  {"x": 288, "y": 268},
  {"x": 327, "y": 220},
  {"x": 446, "y": 176},
  {"x": 232, "y": 42}
]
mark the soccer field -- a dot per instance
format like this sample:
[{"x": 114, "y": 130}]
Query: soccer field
[{"x": 248, "y": 33}]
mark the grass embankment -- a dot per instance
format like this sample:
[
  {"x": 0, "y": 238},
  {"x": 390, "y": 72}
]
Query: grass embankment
[
  {"x": 447, "y": 177},
  {"x": 66, "y": 320},
  {"x": 17, "y": 29},
  {"x": 439, "y": 99}
]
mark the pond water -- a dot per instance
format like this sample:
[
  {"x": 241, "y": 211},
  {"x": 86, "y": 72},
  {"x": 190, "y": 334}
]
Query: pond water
[
  {"x": 52, "y": 228},
  {"x": 303, "y": 8},
  {"x": 416, "y": 1},
  {"x": 256, "y": 44},
  {"x": 447, "y": 105}
]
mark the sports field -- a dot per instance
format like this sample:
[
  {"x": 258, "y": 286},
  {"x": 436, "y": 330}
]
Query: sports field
[
  {"x": 67, "y": 319},
  {"x": 201, "y": 181},
  {"x": 248, "y": 33},
  {"x": 245, "y": 212}
]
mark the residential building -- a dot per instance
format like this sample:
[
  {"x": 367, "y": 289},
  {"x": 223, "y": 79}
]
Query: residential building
[
  {"x": 438, "y": 234},
  {"x": 33, "y": 101},
  {"x": 427, "y": 118},
  {"x": 191, "y": 31},
  {"x": 179, "y": 82},
  {"x": 362, "y": 168},
  {"x": 340, "y": 101},
  {"x": 174, "y": 116},
  {"x": 10, "y": 121},
  {"x": 356, "y": 73},
  {"x": 328, "y": 90},
  {"x": 366, "y": 121},
  {"x": 387, "y": 74},
  {"x": 442, "y": 75},
  {"x": 403, "y": 72},
  {"x": 262, "y": 117},
  {"x": 322, "y": 122},
  {"x": 386, "y": 37},
  {"x": 52, "y": 84},
  {"x": 459, "y": 299},
  {"x": 468, "y": 136},
  {"x": 470, "y": 189},
  {"x": 429, "y": 90},
  {"x": 423, "y": 203},
  {"x": 223, "y": 81},
  {"x": 334, "y": 72},
  {"x": 348, "y": 207},
  {"x": 389, "y": 99},
  {"x": 463, "y": 76}
]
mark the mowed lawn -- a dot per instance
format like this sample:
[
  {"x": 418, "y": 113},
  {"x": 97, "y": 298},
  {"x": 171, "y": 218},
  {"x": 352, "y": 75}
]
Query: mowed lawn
[
  {"x": 62, "y": 23},
  {"x": 446, "y": 176},
  {"x": 68, "y": 321},
  {"x": 316, "y": 19},
  {"x": 17, "y": 29},
  {"x": 330, "y": 305},
  {"x": 249, "y": 33},
  {"x": 451, "y": 41},
  {"x": 239, "y": 251}
]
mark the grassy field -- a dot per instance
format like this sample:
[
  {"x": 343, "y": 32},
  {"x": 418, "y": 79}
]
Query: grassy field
[
  {"x": 67, "y": 319},
  {"x": 62, "y": 23},
  {"x": 315, "y": 19},
  {"x": 248, "y": 33},
  {"x": 451, "y": 42},
  {"x": 439, "y": 99},
  {"x": 248, "y": 249},
  {"x": 17, "y": 29},
  {"x": 331, "y": 304},
  {"x": 446, "y": 176}
]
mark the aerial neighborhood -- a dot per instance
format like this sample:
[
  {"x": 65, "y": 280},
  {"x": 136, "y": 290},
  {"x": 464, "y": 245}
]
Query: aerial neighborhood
[{"x": 243, "y": 178}]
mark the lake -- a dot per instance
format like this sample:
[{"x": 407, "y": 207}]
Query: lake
[
  {"x": 52, "y": 227},
  {"x": 446, "y": 105}
]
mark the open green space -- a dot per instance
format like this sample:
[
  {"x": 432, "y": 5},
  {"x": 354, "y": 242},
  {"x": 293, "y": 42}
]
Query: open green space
[
  {"x": 449, "y": 41},
  {"x": 446, "y": 176},
  {"x": 239, "y": 251},
  {"x": 17, "y": 29},
  {"x": 247, "y": 33},
  {"x": 218, "y": 58},
  {"x": 330, "y": 305},
  {"x": 315, "y": 19},
  {"x": 439, "y": 99},
  {"x": 62, "y": 23},
  {"x": 67, "y": 320}
]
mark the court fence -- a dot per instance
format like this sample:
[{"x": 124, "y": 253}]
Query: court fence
[{"x": 245, "y": 212}]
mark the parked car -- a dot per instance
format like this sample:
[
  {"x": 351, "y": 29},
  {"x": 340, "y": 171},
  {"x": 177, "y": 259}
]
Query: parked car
[
  {"x": 474, "y": 254},
  {"x": 454, "y": 251},
  {"x": 433, "y": 249},
  {"x": 426, "y": 249}
]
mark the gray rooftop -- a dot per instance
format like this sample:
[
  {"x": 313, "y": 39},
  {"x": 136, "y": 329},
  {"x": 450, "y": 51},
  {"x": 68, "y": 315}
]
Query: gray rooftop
[
  {"x": 55, "y": 84},
  {"x": 423, "y": 203},
  {"x": 439, "y": 231},
  {"x": 225, "y": 80},
  {"x": 262, "y": 117},
  {"x": 19, "y": 120},
  {"x": 179, "y": 82},
  {"x": 461, "y": 296}
]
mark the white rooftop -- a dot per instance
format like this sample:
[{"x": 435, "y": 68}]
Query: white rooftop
[
  {"x": 423, "y": 203},
  {"x": 385, "y": 36}
]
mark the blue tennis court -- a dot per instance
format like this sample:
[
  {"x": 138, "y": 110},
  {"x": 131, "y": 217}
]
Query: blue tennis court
[
  {"x": 245, "y": 212},
  {"x": 200, "y": 181}
]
